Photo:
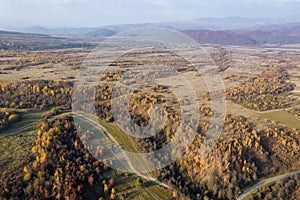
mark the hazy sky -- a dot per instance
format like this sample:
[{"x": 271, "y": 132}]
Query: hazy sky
[{"x": 58, "y": 13}]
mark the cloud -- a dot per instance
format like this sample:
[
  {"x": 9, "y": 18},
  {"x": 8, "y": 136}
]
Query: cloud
[
  {"x": 56, "y": 2},
  {"x": 67, "y": 1},
  {"x": 270, "y": 1},
  {"x": 161, "y": 2},
  {"x": 102, "y": 12}
]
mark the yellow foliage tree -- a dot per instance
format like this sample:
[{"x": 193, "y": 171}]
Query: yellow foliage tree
[
  {"x": 27, "y": 177},
  {"x": 43, "y": 157},
  {"x": 12, "y": 117}
]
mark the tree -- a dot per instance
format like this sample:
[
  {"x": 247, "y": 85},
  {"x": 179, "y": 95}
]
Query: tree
[
  {"x": 27, "y": 177},
  {"x": 13, "y": 117},
  {"x": 138, "y": 182}
]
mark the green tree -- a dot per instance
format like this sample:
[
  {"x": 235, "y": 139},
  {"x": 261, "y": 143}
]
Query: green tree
[{"x": 138, "y": 182}]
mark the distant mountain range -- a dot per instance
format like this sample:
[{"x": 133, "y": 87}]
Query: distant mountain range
[
  {"x": 270, "y": 34},
  {"x": 223, "y": 31},
  {"x": 10, "y": 40},
  {"x": 219, "y": 37}
]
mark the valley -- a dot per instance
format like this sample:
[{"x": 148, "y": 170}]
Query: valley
[{"x": 43, "y": 149}]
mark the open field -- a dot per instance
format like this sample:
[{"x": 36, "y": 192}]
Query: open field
[{"x": 284, "y": 117}]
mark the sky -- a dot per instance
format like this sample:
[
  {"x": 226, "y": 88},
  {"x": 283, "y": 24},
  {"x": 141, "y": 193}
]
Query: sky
[{"x": 91, "y": 13}]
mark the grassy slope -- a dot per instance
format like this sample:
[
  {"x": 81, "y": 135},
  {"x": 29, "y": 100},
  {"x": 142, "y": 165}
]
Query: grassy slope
[
  {"x": 15, "y": 149},
  {"x": 134, "y": 193},
  {"x": 27, "y": 117},
  {"x": 123, "y": 139},
  {"x": 284, "y": 117}
]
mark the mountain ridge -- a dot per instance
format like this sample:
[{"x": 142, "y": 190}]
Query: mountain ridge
[{"x": 222, "y": 31}]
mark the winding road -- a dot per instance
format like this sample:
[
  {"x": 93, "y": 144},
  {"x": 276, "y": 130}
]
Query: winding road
[
  {"x": 19, "y": 130},
  {"x": 264, "y": 182}
]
